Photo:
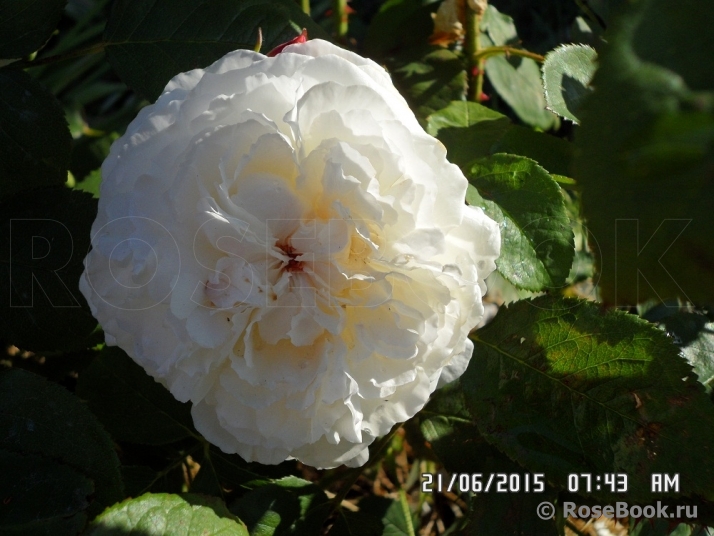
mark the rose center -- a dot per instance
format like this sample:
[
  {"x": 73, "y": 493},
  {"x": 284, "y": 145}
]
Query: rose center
[{"x": 292, "y": 265}]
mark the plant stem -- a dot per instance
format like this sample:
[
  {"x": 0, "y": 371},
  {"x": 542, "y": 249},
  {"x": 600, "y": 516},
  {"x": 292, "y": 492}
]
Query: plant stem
[
  {"x": 473, "y": 46},
  {"x": 565, "y": 182},
  {"x": 487, "y": 52},
  {"x": 340, "y": 17},
  {"x": 305, "y": 6},
  {"x": 92, "y": 49}
]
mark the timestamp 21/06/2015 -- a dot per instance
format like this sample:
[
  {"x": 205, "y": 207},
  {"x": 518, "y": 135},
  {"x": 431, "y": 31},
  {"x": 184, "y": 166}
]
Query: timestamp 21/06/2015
[
  {"x": 535, "y": 482},
  {"x": 483, "y": 482}
]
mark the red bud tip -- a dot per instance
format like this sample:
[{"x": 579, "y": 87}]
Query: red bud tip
[
  {"x": 476, "y": 71},
  {"x": 302, "y": 38},
  {"x": 483, "y": 97}
]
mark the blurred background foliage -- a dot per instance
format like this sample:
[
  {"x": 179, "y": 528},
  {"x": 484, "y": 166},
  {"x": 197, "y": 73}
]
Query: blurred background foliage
[{"x": 602, "y": 186}]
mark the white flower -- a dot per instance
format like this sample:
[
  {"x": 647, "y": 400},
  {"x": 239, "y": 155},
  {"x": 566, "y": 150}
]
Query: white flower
[{"x": 279, "y": 242}]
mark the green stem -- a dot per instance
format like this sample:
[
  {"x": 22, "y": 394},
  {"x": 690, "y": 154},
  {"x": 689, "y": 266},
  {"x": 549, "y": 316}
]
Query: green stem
[
  {"x": 487, "y": 52},
  {"x": 340, "y": 17},
  {"x": 406, "y": 512},
  {"x": 473, "y": 46},
  {"x": 92, "y": 49},
  {"x": 305, "y": 6}
]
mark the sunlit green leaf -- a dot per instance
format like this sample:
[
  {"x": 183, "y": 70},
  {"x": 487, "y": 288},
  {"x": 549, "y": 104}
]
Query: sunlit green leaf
[
  {"x": 429, "y": 77},
  {"x": 567, "y": 73},
  {"x": 536, "y": 239},
  {"x": 163, "y": 514},
  {"x": 91, "y": 183},
  {"x": 564, "y": 387},
  {"x": 693, "y": 333},
  {"x": 470, "y": 130},
  {"x": 516, "y": 79}
]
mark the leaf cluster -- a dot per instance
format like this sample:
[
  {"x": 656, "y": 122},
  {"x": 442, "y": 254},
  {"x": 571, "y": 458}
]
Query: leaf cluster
[{"x": 590, "y": 141}]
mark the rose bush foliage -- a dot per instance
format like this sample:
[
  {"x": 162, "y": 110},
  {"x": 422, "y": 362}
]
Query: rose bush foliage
[{"x": 280, "y": 243}]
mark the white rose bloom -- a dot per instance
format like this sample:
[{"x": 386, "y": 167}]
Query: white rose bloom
[{"x": 280, "y": 242}]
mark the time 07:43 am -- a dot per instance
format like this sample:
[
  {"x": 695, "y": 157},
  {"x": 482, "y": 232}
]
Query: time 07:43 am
[{"x": 588, "y": 482}]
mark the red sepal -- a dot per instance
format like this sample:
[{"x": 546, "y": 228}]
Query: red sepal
[{"x": 302, "y": 38}]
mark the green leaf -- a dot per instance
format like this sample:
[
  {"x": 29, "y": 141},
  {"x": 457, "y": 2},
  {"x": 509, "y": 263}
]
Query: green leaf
[
  {"x": 693, "y": 333},
  {"x": 40, "y": 263},
  {"x": 399, "y": 24},
  {"x": 449, "y": 428},
  {"x": 567, "y": 72},
  {"x": 149, "y": 42},
  {"x": 356, "y": 524},
  {"x": 41, "y": 496},
  {"x": 554, "y": 154},
  {"x": 88, "y": 152},
  {"x": 25, "y": 26},
  {"x": 454, "y": 436},
  {"x": 395, "y": 515},
  {"x": 289, "y": 505},
  {"x": 429, "y": 77},
  {"x": 470, "y": 130},
  {"x": 564, "y": 387},
  {"x": 536, "y": 239},
  {"x": 131, "y": 404},
  {"x": 498, "y": 27},
  {"x": 41, "y": 418},
  {"x": 162, "y": 514},
  {"x": 234, "y": 471},
  {"x": 516, "y": 79},
  {"x": 34, "y": 137},
  {"x": 646, "y": 147},
  {"x": 91, "y": 183}
]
